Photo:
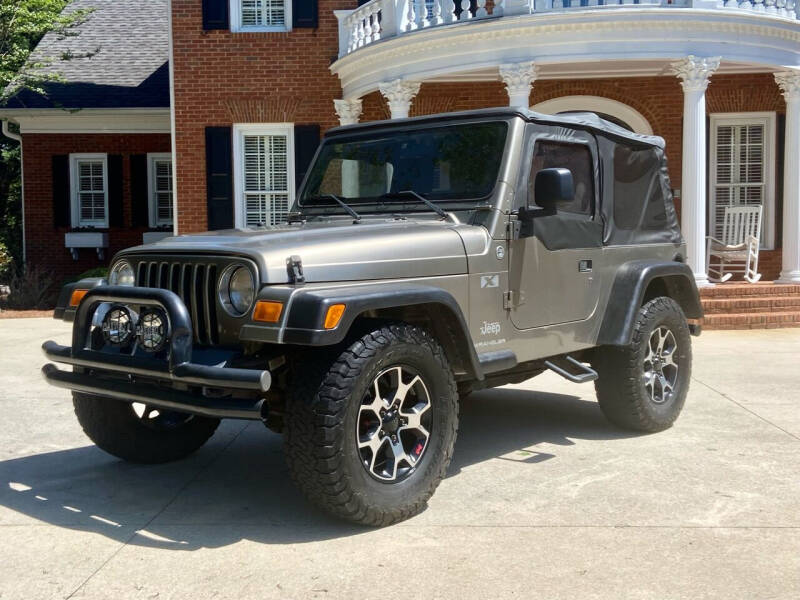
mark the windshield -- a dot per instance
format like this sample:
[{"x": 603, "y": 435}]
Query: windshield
[{"x": 454, "y": 162}]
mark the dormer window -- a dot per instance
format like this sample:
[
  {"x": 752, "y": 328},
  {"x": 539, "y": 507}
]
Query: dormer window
[{"x": 261, "y": 15}]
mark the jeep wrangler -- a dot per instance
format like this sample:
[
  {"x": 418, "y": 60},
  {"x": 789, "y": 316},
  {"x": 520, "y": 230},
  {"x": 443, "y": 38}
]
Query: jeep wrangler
[{"x": 423, "y": 259}]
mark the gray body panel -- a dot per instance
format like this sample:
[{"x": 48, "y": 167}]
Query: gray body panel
[{"x": 515, "y": 295}]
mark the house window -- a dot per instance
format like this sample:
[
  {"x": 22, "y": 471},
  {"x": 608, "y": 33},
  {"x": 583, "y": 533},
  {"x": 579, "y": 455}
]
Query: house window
[
  {"x": 89, "y": 186},
  {"x": 264, "y": 174},
  {"x": 261, "y": 15},
  {"x": 741, "y": 169},
  {"x": 159, "y": 177}
]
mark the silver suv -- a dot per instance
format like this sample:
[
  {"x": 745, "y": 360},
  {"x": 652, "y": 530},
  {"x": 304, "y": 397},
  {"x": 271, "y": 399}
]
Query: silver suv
[{"x": 424, "y": 258}]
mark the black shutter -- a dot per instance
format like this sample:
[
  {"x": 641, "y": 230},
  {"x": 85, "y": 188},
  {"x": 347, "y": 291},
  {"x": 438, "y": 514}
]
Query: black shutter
[
  {"x": 306, "y": 140},
  {"x": 116, "y": 210},
  {"x": 305, "y": 13},
  {"x": 219, "y": 177},
  {"x": 215, "y": 14},
  {"x": 61, "y": 192},
  {"x": 140, "y": 208}
]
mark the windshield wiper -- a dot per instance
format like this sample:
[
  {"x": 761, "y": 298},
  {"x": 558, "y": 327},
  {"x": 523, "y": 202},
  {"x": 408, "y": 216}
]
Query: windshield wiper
[
  {"x": 340, "y": 202},
  {"x": 434, "y": 207}
]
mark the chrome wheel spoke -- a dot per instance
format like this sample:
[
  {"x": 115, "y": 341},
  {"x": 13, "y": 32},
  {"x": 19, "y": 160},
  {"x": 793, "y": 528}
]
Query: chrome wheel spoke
[
  {"x": 660, "y": 368},
  {"x": 393, "y": 424}
]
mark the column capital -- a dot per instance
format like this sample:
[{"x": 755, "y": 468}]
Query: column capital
[
  {"x": 519, "y": 78},
  {"x": 398, "y": 94},
  {"x": 694, "y": 72},
  {"x": 348, "y": 110},
  {"x": 789, "y": 82}
]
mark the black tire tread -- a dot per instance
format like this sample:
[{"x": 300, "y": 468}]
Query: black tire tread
[
  {"x": 618, "y": 387},
  {"x": 315, "y": 435},
  {"x": 113, "y": 427}
]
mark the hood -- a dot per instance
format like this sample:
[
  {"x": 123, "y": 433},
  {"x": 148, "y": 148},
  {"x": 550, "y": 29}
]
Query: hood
[{"x": 333, "y": 250}]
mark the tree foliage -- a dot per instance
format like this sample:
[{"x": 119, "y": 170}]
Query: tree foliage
[{"x": 22, "y": 24}]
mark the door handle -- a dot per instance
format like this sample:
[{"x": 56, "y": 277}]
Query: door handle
[{"x": 584, "y": 266}]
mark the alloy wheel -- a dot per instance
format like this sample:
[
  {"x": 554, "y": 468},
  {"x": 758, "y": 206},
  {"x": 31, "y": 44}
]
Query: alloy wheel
[{"x": 660, "y": 368}]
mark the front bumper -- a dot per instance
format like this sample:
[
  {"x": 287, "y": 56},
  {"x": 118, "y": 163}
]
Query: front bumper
[{"x": 173, "y": 384}]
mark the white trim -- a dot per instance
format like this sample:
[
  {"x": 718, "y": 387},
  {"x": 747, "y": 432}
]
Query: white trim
[
  {"x": 596, "y": 36},
  {"x": 770, "y": 143},
  {"x": 148, "y": 120},
  {"x": 235, "y": 11},
  {"x": 617, "y": 109},
  {"x": 73, "y": 186},
  {"x": 152, "y": 208},
  {"x": 239, "y": 131}
]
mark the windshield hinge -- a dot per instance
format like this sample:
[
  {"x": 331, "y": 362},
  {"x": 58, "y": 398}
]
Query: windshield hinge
[{"x": 294, "y": 266}]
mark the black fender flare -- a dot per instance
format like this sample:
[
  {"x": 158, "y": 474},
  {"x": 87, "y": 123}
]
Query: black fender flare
[
  {"x": 307, "y": 309},
  {"x": 628, "y": 292}
]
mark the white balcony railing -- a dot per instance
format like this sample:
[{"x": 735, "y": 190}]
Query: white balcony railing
[{"x": 381, "y": 19}]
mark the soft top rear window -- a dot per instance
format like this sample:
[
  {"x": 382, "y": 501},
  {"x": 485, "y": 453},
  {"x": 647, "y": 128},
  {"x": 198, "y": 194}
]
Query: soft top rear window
[{"x": 451, "y": 162}]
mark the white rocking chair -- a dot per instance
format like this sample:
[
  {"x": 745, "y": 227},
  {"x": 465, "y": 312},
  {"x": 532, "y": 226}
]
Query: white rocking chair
[{"x": 737, "y": 251}]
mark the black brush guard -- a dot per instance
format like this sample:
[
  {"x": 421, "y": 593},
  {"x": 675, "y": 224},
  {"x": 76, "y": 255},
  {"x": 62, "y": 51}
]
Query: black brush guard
[{"x": 121, "y": 371}]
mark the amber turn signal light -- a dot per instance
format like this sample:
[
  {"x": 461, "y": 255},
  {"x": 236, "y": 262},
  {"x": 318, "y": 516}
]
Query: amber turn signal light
[
  {"x": 267, "y": 311},
  {"x": 333, "y": 316},
  {"x": 77, "y": 296}
]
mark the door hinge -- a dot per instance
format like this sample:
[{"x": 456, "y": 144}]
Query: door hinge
[
  {"x": 512, "y": 299},
  {"x": 513, "y": 227}
]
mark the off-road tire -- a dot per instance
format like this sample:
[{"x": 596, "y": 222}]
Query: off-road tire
[
  {"x": 620, "y": 387},
  {"x": 322, "y": 416},
  {"x": 115, "y": 427}
]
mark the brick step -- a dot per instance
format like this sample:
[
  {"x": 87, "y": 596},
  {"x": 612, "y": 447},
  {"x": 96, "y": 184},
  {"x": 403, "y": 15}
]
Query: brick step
[
  {"x": 751, "y": 304},
  {"x": 736, "y": 290},
  {"x": 765, "y": 320}
]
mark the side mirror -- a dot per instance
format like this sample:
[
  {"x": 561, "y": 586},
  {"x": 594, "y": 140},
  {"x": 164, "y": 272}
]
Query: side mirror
[{"x": 553, "y": 187}]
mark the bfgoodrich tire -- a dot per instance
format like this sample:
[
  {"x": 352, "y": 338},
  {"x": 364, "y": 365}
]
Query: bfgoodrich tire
[
  {"x": 370, "y": 431},
  {"x": 150, "y": 437},
  {"x": 643, "y": 386}
]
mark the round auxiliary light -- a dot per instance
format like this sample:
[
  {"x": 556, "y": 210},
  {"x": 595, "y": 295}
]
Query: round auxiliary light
[
  {"x": 122, "y": 274},
  {"x": 152, "y": 330},
  {"x": 118, "y": 326}
]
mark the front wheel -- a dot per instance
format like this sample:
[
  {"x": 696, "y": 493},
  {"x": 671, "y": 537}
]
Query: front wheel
[
  {"x": 643, "y": 386},
  {"x": 140, "y": 433},
  {"x": 370, "y": 432}
]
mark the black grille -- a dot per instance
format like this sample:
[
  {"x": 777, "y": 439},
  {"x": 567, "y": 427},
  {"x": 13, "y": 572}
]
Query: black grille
[{"x": 195, "y": 283}]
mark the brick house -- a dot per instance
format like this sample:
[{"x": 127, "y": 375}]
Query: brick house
[{"x": 256, "y": 82}]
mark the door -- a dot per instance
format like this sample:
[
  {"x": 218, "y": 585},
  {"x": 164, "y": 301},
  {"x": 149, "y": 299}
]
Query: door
[{"x": 552, "y": 263}]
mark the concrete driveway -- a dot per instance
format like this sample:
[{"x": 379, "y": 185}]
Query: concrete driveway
[{"x": 544, "y": 499}]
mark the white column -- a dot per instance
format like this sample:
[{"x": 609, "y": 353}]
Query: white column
[
  {"x": 519, "y": 78},
  {"x": 399, "y": 94},
  {"x": 694, "y": 73},
  {"x": 348, "y": 111},
  {"x": 789, "y": 82}
]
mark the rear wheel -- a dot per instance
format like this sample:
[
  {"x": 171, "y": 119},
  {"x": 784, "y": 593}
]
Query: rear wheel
[
  {"x": 370, "y": 432},
  {"x": 643, "y": 386},
  {"x": 140, "y": 433}
]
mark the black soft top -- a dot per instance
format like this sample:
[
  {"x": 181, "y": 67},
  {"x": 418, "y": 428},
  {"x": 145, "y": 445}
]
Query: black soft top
[{"x": 584, "y": 120}]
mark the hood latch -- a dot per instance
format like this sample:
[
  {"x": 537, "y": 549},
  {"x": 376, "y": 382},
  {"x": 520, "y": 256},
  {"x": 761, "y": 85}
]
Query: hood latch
[{"x": 294, "y": 266}]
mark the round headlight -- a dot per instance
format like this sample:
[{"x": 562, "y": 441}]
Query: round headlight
[
  {"x": 241, "y": 290},
  {"x": 122, "y": 274}
]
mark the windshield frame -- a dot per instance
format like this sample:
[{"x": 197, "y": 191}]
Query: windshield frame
[{"x": 371, "y": 205}]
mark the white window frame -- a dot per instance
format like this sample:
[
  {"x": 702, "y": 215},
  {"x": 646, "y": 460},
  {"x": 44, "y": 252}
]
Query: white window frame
[
  {"x": 236, "y": 19},
  {"x": 74, "y": 159},
  {"x": 152, "y": 205},
  {"x": 743, "y": 118},
  {"x": 239, "y": 132}
]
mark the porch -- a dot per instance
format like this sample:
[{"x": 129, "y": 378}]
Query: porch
[{"x": 646, "y": 64}]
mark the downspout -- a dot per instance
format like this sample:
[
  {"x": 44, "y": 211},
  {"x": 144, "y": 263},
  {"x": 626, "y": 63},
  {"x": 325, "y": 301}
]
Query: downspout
[
  {"x": 17, "y": 137},
  {"x": 173, "y": 143}
]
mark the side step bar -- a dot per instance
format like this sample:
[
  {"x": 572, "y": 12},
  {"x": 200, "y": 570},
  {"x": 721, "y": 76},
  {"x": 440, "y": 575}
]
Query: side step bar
[{"x": 571, "y": 369}]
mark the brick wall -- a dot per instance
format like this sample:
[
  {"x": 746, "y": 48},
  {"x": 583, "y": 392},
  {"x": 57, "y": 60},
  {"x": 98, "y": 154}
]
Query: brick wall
[
  {"x": 223, "y": 78},
  {"x": 45, "y": 242}
]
